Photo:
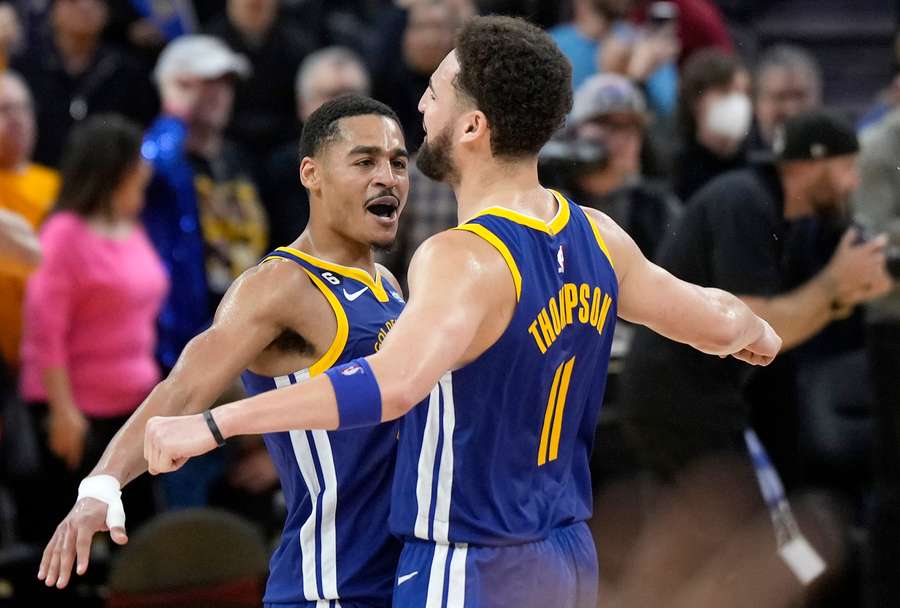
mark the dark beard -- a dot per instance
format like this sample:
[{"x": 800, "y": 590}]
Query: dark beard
[{"x": 434, "y": 160}]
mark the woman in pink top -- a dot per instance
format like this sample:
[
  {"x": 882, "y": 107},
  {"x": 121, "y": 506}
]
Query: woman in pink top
[{"x": 90, "y": 313}]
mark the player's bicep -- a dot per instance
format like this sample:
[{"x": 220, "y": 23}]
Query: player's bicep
[
  {"x": 651, "y": 296},
  {"x": 247, "y": 320},
  {"x": 446, "y": 306}
]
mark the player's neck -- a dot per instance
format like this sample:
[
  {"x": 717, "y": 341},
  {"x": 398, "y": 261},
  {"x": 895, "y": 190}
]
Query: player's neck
[
  {"x": 513, "y": 185},
  {"x": 338, "y": 249}
]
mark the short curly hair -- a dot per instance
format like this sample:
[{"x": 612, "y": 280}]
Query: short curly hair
[
  {"x": 321, "y": 127},
  {"x": 514, "y": 73}
]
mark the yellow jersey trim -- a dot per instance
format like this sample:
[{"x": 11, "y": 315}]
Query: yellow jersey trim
[
  {"x": 600, "y": 240},
  {"x": 548, "y": 417},
  {"x": 553, "y": 228},
  {"x": 334, "y": 351},
  {"x": 560, "y": 408},
  {"x": 500, "y": 246},
  {"x": 340, "y": 337},
  {"x": 357, "y": 274}
]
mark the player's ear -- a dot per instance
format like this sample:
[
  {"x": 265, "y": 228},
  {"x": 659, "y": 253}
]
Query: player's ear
[
  {"x": 309, "y": 173},
  {"x": 475, "y": 126}
]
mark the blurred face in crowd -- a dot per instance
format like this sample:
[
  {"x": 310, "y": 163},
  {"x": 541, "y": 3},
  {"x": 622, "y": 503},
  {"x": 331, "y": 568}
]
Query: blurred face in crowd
[
  {"x": 723, "y": 115},
  {"x": 429, "y": 34},
  {"x": 832, "y": 181},
  {"x": 441, "y": 108},
  {"x": 783, "y": 92},
  {"x": 620, "y": 132},
  {"x": 252, "y": 17},
  {"x": 359, "y": 180},
  {"x": 207, "y": 102},
  {"x": 128, "y": 198},
  {"x": 214, "y": 102},
  {"x": 17, "y": 123},
  {"x": 331, "y": 79},
  {"x": 79, "y": 18}
]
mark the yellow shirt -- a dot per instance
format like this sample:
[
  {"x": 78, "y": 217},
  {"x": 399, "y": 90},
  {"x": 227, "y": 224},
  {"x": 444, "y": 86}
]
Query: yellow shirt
[{"x": 29, "y": 193}]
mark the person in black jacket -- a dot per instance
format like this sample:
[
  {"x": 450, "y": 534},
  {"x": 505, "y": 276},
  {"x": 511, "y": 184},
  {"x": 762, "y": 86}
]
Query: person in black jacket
[{"x": 73, "y": 74}]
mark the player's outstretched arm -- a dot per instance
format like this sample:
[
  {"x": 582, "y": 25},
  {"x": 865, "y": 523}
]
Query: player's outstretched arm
[
  {"x": 711, "y": 320},
  {"x": 458, "y": 286},
  {"x": 246, "y": 322}
]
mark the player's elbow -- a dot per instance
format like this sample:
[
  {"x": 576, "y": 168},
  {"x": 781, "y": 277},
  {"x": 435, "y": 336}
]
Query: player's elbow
[{"x": 398, "y": 396}]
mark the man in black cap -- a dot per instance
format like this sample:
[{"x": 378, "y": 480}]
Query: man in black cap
[{"x": 689, "y": 415}]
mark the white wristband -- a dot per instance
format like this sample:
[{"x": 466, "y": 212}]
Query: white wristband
[{"x": 106, "y": 489}]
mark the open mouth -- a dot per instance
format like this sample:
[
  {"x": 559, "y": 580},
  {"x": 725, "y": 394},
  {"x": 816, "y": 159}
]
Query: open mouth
[{"x": 384, "y": 207}]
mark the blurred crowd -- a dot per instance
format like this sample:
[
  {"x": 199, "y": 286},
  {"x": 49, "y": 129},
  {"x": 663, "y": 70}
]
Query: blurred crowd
[{"x": 149, "y": 155}]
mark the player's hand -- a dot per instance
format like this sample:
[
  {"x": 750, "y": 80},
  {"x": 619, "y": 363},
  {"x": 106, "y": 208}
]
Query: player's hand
[
  {"x": 170, "y": 440},
  {"x": 72, "y": 539},
  {"x": 763, "y": 350}
]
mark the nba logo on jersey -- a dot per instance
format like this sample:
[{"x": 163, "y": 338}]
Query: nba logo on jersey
[{"x": 561, "y": 259}]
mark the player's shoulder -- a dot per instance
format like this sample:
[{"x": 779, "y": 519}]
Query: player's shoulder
[
  {"x": 607, "y": 228},
  {"x": 455, "y": 249},
  {"x": 622, "y": 249},
  {"x": 276, "y": 283}
]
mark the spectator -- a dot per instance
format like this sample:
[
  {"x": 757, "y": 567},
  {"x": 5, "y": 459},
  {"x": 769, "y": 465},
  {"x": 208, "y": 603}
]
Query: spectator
[
  {"x": 203, "y": 212},
  {"x": 322, "y": 76},
  {"x": 878, "y": 204},
  {"x": 11, "y": 36},
  {"x": 400, "y": 72},
  {"x": 72, "y": 75},
  {"x": 598, "y": 37},
  {"x": 90, "y": 310},
  {"x": 714, "y": 116},
  {"x": 787, "y": 81},
  {"x": 27, "y": 190},
  {"x": 732, "y": 236},
  {"x": 264, "y": 113},
  {"x": 610, "y": 112},
  {"x": 146, "y": 26},
  {"x": 700, "y": 26}
]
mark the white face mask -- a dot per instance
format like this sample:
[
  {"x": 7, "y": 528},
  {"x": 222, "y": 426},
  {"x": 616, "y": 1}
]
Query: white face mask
[{"x": 730, "y": 116}]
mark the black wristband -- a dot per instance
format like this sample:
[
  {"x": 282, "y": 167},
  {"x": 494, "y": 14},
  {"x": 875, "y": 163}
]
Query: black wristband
[{"x": 213, "y": 428}]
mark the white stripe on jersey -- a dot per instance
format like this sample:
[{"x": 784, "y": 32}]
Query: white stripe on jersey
[
  {"x": 427, "y": 455},
  {"x": 456, "y": 593},
  {"x": 435, "y": 596},
  {"x": 303, "y": 454},
  {"x": 329, "y": 508},
  {"x": 445, "y": 470}
]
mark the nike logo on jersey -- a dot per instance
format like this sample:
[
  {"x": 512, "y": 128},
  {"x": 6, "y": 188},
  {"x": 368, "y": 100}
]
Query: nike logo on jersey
[
  {"x": 352, "y": 296},
  {"x": 406, "y": 577}
]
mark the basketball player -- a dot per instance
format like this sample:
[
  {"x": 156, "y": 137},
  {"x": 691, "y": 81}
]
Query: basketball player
[
  {"x": 504, "y": 343},
  {"x": 318, "y": 303}
]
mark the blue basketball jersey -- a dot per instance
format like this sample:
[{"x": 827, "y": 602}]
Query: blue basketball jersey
[
  {"x": 336, "y": 544},
  {"x": 499, "y": 453}
]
